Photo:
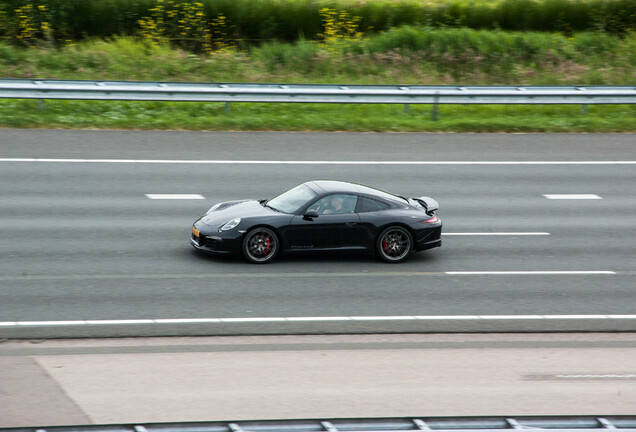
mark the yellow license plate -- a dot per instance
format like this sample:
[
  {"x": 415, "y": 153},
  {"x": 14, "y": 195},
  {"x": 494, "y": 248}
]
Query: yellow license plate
[{"x": 195, "y": 231}]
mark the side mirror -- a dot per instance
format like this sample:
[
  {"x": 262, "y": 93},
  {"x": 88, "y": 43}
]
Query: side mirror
[{"x": 310, "y": 215}]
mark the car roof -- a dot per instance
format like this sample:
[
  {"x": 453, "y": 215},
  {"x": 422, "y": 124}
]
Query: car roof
[
  {"x": 329, "y": 186},
  {"x": 334, "y": 186}
]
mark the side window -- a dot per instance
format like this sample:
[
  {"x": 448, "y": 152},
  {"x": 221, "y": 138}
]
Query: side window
[
  {"x": 370, "y": 205},
  {"x": 335, "y": 204}
]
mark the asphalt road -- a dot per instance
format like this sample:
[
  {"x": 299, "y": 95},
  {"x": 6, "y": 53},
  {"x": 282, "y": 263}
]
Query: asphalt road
[{"x": 86, "y": 253}]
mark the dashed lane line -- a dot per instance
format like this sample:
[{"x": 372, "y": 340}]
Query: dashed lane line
[
  {"x": 496, "y": 234},
  {"x": 175, "y": 196},
  {"x": 531, "y": 272},
  {"x": 572, "y": 196}
]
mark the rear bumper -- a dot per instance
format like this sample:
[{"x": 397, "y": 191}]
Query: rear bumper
[
  {"x": 429, "y": 245},
  {"x": 429, "y": 239}
]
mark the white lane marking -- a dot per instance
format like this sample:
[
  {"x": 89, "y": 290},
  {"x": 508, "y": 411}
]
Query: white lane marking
[
  {"x": 496, "y": 234},
  {"x": 572, "y": 196},
  {"x": 532, "y": 272},
  {"x": 120, "y": 322},
  {"x": 364, "y": 273},
  {"x": 252, "y": 320},
  {"x": 187, "y": 321},
  {"x": 175, "y": 196},
  {"x": 243, "y": 320},
  {"x": 595, "y": 376},
  {"x": 49, "y": 323},
  {"x": 311, "y": 162}
]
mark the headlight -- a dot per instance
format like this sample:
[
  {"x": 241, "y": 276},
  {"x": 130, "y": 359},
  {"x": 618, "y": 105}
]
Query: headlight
[
  {"x": 214, "y": 207},
  {"x": 231, "y": 224}
]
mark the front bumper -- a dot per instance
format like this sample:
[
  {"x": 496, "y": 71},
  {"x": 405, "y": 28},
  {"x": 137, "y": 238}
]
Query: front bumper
[{"x": 219, "y": 243}]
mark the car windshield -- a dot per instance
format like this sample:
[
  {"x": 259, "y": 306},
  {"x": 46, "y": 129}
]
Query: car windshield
[{"x": 292, "y": 200}]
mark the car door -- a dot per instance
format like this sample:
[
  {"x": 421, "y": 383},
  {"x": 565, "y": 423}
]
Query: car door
[
  {"x": 335, "y": 227},
  {"x": 372, "y": 214}
]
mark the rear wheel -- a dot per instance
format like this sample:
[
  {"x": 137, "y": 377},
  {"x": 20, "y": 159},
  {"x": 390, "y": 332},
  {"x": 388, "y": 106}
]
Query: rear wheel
[
  {"x": 260, "y": 245},
  {"x": 394, "y": 244}
]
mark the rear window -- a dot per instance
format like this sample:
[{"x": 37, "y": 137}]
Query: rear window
[
  {"x": 381, "y": 193},
  {"x": 370, "y": 205}
]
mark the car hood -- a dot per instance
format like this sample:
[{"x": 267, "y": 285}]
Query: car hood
[{"x": 235, "y": 209}]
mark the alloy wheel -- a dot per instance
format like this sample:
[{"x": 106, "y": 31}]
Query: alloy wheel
[
  {"x": 260, "y": 245},
  {"x": 395, "y": 244}
]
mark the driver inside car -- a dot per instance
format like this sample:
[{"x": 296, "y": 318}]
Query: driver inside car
[{"x": 334, "y": 206}]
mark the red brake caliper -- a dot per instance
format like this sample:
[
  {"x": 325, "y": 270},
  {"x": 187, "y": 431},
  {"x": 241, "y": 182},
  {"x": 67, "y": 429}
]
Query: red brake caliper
[
  {"x": 385, "y": 244},
  {"x": 268, "y": 245}
]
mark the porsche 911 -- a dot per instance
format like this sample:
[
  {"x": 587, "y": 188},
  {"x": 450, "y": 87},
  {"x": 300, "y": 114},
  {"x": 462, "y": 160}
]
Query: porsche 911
[{"x": 321, "y": 216}]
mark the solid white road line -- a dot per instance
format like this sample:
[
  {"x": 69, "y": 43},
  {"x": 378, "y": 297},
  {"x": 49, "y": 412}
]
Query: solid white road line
[
  {"x": 311, "y": 162},
  {"x": 496, "y": 234},
  {"x": 295, "y": 275},
  {"x": 175, "y": 196},
  {"x": 530, "y": 272},
  {"x": 572, "y": 196},
  {"x": 244, "y": 320}
]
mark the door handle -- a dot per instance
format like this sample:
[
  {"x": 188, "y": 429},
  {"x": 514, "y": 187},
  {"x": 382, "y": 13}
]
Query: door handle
[{"x": 350, "y": 224}]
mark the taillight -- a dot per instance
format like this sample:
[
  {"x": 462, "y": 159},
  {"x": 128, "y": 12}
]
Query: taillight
[{"x": 431, "y": 220}]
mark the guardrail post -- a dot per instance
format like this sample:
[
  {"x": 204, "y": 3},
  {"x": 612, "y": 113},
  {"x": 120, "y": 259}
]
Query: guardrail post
[
  {"x": 435, "y": 106},
  {"x": 228, "y": 108},
  {"x": 235, "y": 427},
  {"x": 584, "y": 109},
  {"x": 329, "y": 427},
  {"x": 40, "y": 104},
  {"x": 406, "y": 108},
  {"x": 421, "y": 424}
]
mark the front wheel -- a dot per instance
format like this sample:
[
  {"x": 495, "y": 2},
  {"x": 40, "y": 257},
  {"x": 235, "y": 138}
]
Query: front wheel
[
  {"x": 394, "y": 244},
  {"x": 260, "y": 245}
]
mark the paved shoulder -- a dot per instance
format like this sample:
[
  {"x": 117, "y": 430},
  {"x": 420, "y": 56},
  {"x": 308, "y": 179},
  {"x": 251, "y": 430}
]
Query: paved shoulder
[
  {"x": 226, "y": 378},
  {"x": 29, "y": 396}
]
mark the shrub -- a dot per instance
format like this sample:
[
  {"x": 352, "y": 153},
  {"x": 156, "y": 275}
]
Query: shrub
[
  {"x": 259, "y": 21},
  {"x": 300, "y": 55}
]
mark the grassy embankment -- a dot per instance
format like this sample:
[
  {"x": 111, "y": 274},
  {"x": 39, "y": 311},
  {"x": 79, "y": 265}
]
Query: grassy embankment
[{"x": 406, "y": 55}]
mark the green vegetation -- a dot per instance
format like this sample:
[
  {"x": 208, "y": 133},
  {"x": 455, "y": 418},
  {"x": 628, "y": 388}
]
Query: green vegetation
[
  {"x": 302, "y": 117},
  {"x": 210, "y": 41},
  {"x": 405, "y": 55},
  {"x": 255, "y": 21}
]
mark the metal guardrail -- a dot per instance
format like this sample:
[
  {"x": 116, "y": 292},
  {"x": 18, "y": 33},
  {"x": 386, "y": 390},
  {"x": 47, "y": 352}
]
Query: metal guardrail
[
  {"x": 278, "y": 93},
  {"x": 298, "y": 93},
  {"x": 441, "y": 424}
]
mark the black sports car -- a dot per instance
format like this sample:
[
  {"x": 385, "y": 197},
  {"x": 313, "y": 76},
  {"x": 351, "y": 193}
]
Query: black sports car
[{"x": 321, "y": 215}]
